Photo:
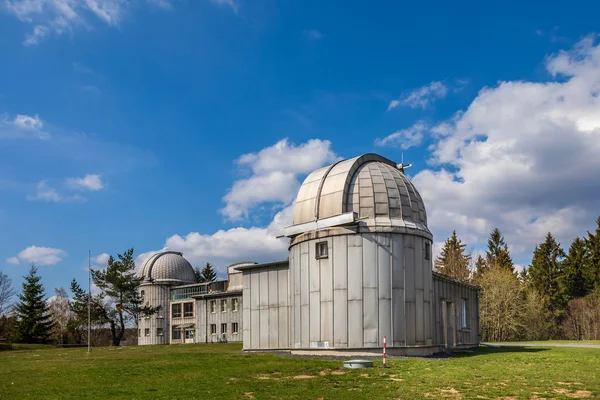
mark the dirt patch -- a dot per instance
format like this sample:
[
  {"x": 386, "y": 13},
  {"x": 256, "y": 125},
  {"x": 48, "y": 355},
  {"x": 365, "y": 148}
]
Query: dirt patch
[
  {"x": 569, "y": 383},
  {"x": 328, "y": 371},
  {"x": 451, "y": 392},
  {"x": 357, "y": 389},
  {"x": 249, "y": 395},
  {"x": 303, "y": 377},
  {"x": 233, "y": 379},
  {"x": 397, "y": 379},
  {"x": 364, "y": 375},
  {"x": 338, "y": 372},
  {"x": 577, "y": 394}
]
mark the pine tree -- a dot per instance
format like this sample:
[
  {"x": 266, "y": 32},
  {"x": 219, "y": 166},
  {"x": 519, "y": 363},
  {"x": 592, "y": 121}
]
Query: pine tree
[
  {"x": 198, "y": 274},
  {"x": 573, "y": 280},
  {"x": 34, "y": 320},
  {"x": 544, "y": 275},
  {"x": 592, "y": 260},
  {"x": 497, "y": 254},
  {"x": 453, "y": 261},
  {"x": 208, "y": 274},
  {"x": 119, "y": 284},
  {"x": 480, "y": 268}
]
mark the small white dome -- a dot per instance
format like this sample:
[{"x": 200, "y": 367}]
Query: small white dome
[{"x": 167, "y": 267}]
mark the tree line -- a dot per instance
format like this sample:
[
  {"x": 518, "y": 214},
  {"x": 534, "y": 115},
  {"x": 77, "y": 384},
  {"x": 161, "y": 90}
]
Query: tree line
[
  {"x": 62, "y": 319},
  {"x": 556, "y": 297}
]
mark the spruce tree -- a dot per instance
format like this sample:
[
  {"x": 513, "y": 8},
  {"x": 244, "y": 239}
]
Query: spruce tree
[
  {"x": 34, "y": 320},
  {"x": 544, "y": 275},
  {"x": 573, "y": 280},
  {"x": 480, "y": 268},
  {"x": 198, "y": 274},
  {"x": 453, "y": 261},
  {"x": 592, "y": 260},
  {"x": 497, "y": 254},
  {"x": 208, "y": 274}
]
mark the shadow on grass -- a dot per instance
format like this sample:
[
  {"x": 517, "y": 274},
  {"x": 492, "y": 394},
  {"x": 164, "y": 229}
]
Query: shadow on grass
[{"x": 487, "y": 350}]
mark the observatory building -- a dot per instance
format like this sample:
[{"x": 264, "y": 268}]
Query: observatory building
[{"x": 359, "y": 269}]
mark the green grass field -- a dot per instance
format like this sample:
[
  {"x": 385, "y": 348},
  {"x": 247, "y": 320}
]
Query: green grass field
[{"x": 223, "y": 371}]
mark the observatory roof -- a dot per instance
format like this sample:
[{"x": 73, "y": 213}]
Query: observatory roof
[
  {"x": 167, "y": 267},
  {"x": 373, "y": 187}
]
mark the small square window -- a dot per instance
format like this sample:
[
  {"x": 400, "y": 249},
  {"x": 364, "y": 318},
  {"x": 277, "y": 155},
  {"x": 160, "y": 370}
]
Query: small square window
[
  {"x": 223, "y": 305},
  {"x": 223, "y": 328},
  {"x": 213, "y": 329},
  {"x": 235, "y": 304},
  {"x": 234, "y": 328},
  {"x": 176, "y": 333},
  {"x": 427, "y": 251},
  {"x": 159, "y": 331},
  {"x": 322, "y": 250},
  {"x": 188, "y": 309},
  {"x": 176, "y": 311},
  {"x": 147, "y": 332}
]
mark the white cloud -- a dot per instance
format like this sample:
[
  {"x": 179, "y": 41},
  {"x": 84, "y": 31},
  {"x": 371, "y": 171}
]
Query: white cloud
[
  {"x": 28, "y": 122},
  {"x": 22, "y": 126},
  {"x": 60, "y": 16},
  {"x": 229, "y": 3},
  {"x": 404, "y": 138},
  {"x": 44, "y": 192},
  {"x": 101, "y": 259},
  {"x": 88, "y": 182},
  {"x": 523, "y": 157},
  {"x": 39, "y": 255},
  {"x": 275, "y": 175},
  {"x": 313, "y": 34},
  {"x": 13, "y": 260},
  {"x": 226, "y": 247},
  {"x": 421, "y": 97}
]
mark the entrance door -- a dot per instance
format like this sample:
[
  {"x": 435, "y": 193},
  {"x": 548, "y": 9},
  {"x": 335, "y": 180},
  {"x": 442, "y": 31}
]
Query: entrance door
[
  {"x": 449, "y": 323},
  {"x": 189, "y": 335}
]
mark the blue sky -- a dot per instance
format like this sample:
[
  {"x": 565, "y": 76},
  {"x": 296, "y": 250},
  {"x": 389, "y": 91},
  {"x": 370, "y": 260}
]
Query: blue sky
[{"x": 190, "y": 124}]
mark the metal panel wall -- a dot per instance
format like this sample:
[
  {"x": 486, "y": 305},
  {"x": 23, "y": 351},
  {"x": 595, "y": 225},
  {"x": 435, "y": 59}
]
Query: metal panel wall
[
  {"x": 155, "y": 295},
  {"x": 340, "y": 291}
]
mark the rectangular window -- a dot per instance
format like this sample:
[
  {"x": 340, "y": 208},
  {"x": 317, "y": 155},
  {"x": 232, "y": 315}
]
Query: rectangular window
[
  {"x": 159, "y": 331},
  {"x": 427, "y": 251},
  {"x": 234, "y": 328},
  {"x": 176, "y": 333},
  {"x": 223, "y": 328},
  {"x": 235, "y": 304},
  {"x": 213, "y": 306},
  {"x": 176, "y": 311},
  {"x": 147, "y": 332},
  {"x": 189, "y": 334},
  {"x": 139, "y": 332},
  {"x": 213, "y": 329},
  {"x": 188, "y": 309},
  {"x": 322, "y": 250},
  {"x": 223, "y": 305},
  {"x": 464, "y": 315}
]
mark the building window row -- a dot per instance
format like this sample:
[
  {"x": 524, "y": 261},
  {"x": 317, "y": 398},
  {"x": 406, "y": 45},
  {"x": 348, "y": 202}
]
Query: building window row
[
  {"x": 234, "y": 328},
  {"x": 188, "y": 310},
  {"x": 235, "y": 305}
]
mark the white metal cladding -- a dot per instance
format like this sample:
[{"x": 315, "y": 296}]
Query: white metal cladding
[
  {"x": 370, "y": 186},
  {"x": 452, "y": 292},
  {"x": 167, "y": 267},
  {"x": 155, "y": 295},
  {"x": 266, "y": 315},
  {"x": 371, "y": 285}
]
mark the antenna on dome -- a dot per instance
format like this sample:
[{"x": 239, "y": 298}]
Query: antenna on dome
[{"x": 403, "y": 166}]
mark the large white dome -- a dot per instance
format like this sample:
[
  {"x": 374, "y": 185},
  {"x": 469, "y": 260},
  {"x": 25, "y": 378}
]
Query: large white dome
[
  {"x": 167, "y": 267},
  {"x": 373, "y": 187}
]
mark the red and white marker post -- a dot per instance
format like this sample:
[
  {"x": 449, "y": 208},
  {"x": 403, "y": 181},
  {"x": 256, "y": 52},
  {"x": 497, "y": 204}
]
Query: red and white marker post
[{"x": 384, "y": 354}]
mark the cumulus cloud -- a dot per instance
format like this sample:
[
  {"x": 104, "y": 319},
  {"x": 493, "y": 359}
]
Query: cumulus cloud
[
  {"x": 421, "y": 97},
  {"x": 404, "y": 138},
  {"x": 60, "y": 16},
  {"x": 45, "y": 192},
  {"x": 39, "y": 256},
  {"x": 275, "y": 173},
  {"x": 524, "y": 157},
  {"x": 88, "y": 182},
  {"x": 101, "y": 259},
  {"x": 22, "y": 126},
  {"x": 226, "y": 247}
]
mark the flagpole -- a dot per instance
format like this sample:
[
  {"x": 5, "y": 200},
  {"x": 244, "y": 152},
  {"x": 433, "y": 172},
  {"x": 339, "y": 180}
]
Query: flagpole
[{"x": 89, "y": 300}]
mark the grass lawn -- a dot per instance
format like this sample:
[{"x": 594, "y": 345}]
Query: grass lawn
[{"x": 223, "y": 371}]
